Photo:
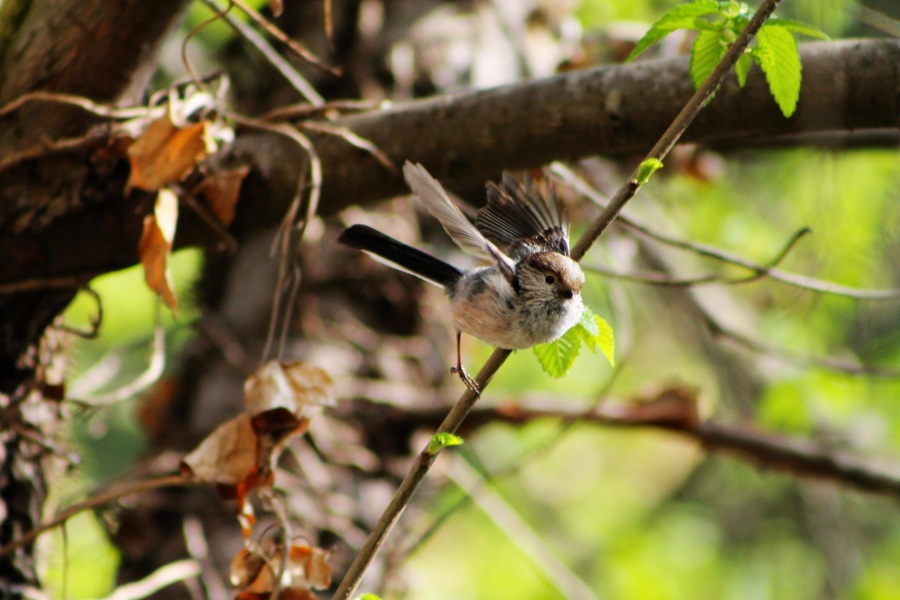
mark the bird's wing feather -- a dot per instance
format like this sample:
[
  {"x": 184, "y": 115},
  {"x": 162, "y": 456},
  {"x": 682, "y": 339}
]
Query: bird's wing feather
[
  {"x": 457, "y": 226},
  {"x": 522, "y": 218}
]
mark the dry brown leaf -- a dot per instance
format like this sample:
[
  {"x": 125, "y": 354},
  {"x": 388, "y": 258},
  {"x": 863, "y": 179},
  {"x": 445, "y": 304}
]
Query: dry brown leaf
[
  {"x": 165, "y": 153},
  {"x": 250, "y": 573},
  {"x": 221, "y": 189},
  {"x": 310, "y": 566},
  {"x": 307, "y": 568},
  {"x": 156, "y": 246},
  {"x": 227, "y": 456},
  {"x": 289, "y": 386}
]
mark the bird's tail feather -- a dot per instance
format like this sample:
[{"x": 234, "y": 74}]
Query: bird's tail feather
[{"x": 400, "y": 256}]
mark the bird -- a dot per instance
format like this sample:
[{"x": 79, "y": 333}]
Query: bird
[{"x": 529, "y": 294}]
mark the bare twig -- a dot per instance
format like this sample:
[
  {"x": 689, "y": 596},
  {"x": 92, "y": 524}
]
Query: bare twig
[
  {"x": 464, "y": 405},
  {"x": 830, "y": 363},
  {"x": 148, "y": 377},
  {"x": 282, "y": 37},
  {"x": 96, "y": 319},
  {"x": 307, "y": 111},
  {"x": 95, "y": 501},
  {"x": 164, "y": 576},
  {"x": 664, "y": 279},
  {"x": 291, "y": 74},
  {"x": 356, "y": 141},
  {"x": 42, "y": 283},
  {"x": 86, "y": 104},
  {"x": 91, "y": 138},
  {"x": 290, "y": 223},
  {"x": 793, "y": 279}
]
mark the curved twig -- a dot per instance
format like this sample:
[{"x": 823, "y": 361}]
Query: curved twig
[
  {"x": 568, "y": 177},
  {"x": 96, "y": 500}
]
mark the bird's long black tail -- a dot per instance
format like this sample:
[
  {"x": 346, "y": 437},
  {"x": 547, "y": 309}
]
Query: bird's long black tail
[{"x": 400, "y": 256}]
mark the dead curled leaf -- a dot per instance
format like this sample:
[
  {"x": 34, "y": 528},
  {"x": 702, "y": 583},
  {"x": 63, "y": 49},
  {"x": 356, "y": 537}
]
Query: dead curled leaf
[
  {"x": 220, "y": 190},
  {"x": 228, "y": 455},
  {"x": 166, "y": 153},
  {"x": 255, "y": 571},
  {"x": 290, "y": 386},
  {"x": 156, "y": 246},
  {"x": 239, "y": 454}
]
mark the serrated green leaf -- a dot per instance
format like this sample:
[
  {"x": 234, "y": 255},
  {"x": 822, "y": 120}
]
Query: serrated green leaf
[
  {"x": 439, "y": 441},
  {"x": 558, "y": 356},
  {"x": 798, "y": 27},
  {"x": 587, "y": 321},
  {"x": 648, "y": 168},
  {"x": 776, "y": 53},
  {"x": 605, "y": 339},
  {"x": 742, "y": 68},
  {"x": 684, "y": 16},
  {"x": 705, "y": 55}
]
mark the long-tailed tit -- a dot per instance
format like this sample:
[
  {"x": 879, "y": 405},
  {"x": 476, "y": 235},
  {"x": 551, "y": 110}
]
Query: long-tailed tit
[{"x": 531, "y": 294}]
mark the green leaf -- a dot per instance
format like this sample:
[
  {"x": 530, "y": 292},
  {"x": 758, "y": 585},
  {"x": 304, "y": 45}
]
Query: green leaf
[
  {"x": 605, "y": 339},
  {"x": 776, "y": 53},
  {"x": 587, "y": 321},
  {"x": 368, "y": 597},
  {"x": 742, "y": 68},
  {"x": 596, "y": 333},
  {"x": 684, "y": 16},
  {"x": 705, "y": 55},
  {"x": 439, "y": 441},
  {"x": 648, "y": 168},
  {"x": 797, "y": 27},
  {"x": 558, "y": 356}
]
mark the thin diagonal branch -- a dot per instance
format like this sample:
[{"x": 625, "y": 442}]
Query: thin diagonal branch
[{"x": 678, "y": 126}]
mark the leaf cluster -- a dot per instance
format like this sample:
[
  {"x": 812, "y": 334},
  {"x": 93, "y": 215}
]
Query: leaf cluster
[{"x": 718, "y": 24}]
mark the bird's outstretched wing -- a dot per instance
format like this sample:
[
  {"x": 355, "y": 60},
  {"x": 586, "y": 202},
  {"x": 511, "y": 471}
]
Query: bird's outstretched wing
[
  {"x": 457, "y": 226},
  {"x": 524, "y": 217}
]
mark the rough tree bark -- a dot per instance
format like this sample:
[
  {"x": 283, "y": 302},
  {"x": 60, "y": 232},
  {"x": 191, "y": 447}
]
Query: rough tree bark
[{"x": 95, "y": 48}]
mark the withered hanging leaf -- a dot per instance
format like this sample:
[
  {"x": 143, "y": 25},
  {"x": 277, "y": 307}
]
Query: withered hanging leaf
[
  {"x": 307, "y": 568},
  {"x": 250, "y": 573},
  {"x": 227, "y": 456},
  {"x": 220, "y": 189},
  {"x": 287, "y": 387},
  {"x": 165, "y": 153},
  {"x": 156, "y": 246}
]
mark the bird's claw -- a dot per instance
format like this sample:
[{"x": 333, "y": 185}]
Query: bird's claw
[{"x": 466, "y": 379}]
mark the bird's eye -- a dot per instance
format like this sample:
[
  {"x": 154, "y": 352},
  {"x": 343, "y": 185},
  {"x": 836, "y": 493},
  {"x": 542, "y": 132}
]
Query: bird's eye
[{"x": 550, "y": 279}]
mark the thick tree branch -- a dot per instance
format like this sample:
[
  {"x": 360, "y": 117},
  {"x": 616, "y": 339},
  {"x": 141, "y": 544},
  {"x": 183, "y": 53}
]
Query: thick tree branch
[{"x": 466, "y": 139}]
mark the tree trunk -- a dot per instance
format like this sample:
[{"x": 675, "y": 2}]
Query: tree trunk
[{"x": 105, "y": 51}]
